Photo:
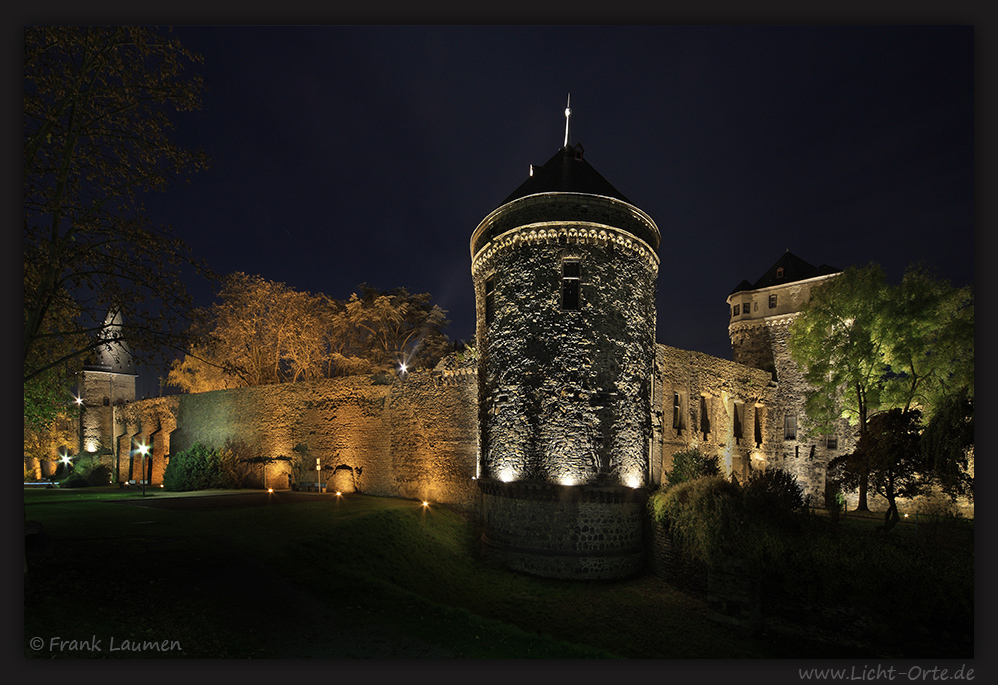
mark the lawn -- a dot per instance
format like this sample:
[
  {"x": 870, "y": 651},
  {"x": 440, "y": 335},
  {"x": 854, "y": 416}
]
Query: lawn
[{"x": 350, "y": 577}]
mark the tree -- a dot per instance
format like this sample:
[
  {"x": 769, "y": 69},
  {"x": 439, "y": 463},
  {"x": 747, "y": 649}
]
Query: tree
[
  {"x": 835, "y": 341},
  {"x": 889, "y": 453},
  {"x": 97, "y": 104},
  {"x": 945, "y": 443},
  {"x": 864, "y": 346},
  {"x": 928, "y": 335},
  {"x": 398, "y": 328}
]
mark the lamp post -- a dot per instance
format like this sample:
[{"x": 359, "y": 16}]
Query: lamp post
[
  {"x": 79, "y": 404},
  {"x": 143, "y": 450}
]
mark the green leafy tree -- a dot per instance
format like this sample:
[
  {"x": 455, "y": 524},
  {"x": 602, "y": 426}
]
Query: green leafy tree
[
  {"x": 97, "y": 117},
  {"x": 836, "y": 343},
  {"x": 945, "y": 443},
  {"x": 928, "y": 341},
  {"x": 864, "y": 346},
  {"x": 890, "y": 454}
]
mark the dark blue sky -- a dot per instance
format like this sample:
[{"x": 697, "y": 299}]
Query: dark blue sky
[{"x": 343, "y": 155}]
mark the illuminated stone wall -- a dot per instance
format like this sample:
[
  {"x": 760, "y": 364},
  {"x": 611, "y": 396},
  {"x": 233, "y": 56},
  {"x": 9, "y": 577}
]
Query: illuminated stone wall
[
  {"x": 727, "y": 389},
  {"x": 416, "y": 438}
]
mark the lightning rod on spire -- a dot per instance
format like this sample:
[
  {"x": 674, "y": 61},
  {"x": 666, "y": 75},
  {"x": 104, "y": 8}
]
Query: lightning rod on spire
[{"x": 568, "y": 116}]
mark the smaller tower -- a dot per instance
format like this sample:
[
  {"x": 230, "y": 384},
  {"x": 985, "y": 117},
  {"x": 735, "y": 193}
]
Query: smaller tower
[
  {"x": 106, "y": 384},
  {"x": 759, "y": 328}
]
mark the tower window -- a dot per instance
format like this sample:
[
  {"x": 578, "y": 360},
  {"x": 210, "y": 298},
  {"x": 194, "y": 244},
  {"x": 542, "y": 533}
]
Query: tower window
[
  {"x": 570, "y": 276},
  {"x": 490, "y": 288},
  {"x": 107, "y": 401},
  {"x": 772, "y": 301},
  {"x": 832, "y": 442},
  {"x": 758, "y": 426},
  {"x": 704, "y": 419},
  {"x": 790, "y": 427},
  {"x": 737, "y": 310},
  {"x": 677, "y": 413}
]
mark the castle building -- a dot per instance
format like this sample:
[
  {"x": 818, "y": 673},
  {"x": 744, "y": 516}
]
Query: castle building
[{"x": 568, "y": 417}]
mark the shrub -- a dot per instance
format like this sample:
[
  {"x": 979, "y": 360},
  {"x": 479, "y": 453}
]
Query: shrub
[
  {"x": 93, "y": 470},
  {"x": 197, "y": 468},
  {"x": 702, "y": 516},
  {"x": 691, "y": 464},
  {"x": 774, "y": 496},
  {"x": 75, "y": 481}
]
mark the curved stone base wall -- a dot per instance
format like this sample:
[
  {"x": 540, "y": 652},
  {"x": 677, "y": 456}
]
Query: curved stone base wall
[{"x": 557, "y": 531}]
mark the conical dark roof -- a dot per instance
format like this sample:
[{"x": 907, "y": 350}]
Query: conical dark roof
[
  {"x": 566, "y": 172},
  {"x": 113, "y": 356},
  {"x": 787, "y": 269}
]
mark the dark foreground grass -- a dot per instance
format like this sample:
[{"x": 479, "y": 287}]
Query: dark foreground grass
[{"x": 356, "y": 577}]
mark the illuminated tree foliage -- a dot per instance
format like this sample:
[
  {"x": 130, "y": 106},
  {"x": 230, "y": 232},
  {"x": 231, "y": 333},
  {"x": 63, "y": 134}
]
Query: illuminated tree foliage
[
  {"x": 97, "y": 105},
  {"x": 928, "y": 334},
  {"x": 864, "y": 346},
  {"x": 262, "y": 332},
  {"x": 397, "y": 328},
  {"x": 836, "y": 345}
]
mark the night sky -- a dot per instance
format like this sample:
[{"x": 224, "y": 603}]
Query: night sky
[{"x": 348, "y": 155}]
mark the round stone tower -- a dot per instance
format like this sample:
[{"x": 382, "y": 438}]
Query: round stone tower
[{"x": 564, "y": 273}]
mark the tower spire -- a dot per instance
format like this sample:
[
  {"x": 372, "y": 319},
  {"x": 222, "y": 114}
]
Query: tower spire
[{"x": 568, "y": 116}]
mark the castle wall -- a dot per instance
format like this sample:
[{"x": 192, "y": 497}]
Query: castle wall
[
  {"x": 716, "y": 390},
  {"x": 415, "y": 438}
]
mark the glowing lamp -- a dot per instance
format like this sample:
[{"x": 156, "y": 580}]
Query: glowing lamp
[
  {"x": 270, "y": 489},
  {"x": 426, "y": 504}
]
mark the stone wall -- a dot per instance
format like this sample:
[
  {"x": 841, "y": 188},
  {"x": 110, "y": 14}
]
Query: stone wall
[
  {"x": 415, "y": 438},
  {"x": 727, "y": 389}
]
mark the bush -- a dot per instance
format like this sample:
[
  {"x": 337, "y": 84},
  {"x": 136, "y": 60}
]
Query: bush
[
  {"x": 93, "y": 470},
  {"x": 774, "y": 496},
  {"x": 702, "y": 516},
  {"x": 198, "y": 468},
  {"x": 691, "y": 464}
]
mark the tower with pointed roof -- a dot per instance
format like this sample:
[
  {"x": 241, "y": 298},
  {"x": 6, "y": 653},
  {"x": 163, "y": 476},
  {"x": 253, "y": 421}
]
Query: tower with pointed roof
[
  {"x": 107, "y": 383},
  {"x": 564, "y": 273}
]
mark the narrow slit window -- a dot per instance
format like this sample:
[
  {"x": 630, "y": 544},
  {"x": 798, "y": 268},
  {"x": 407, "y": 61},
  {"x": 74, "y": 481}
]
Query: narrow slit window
[
  {"x": 676, "y": 412},
  {"x": 570, "y": 277},
  {"x": 758, "y": 426},
  {"x": 490, "y": 288},
  {"x": 704, "y": 419},
  {"x": 737, "y": 425}
]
